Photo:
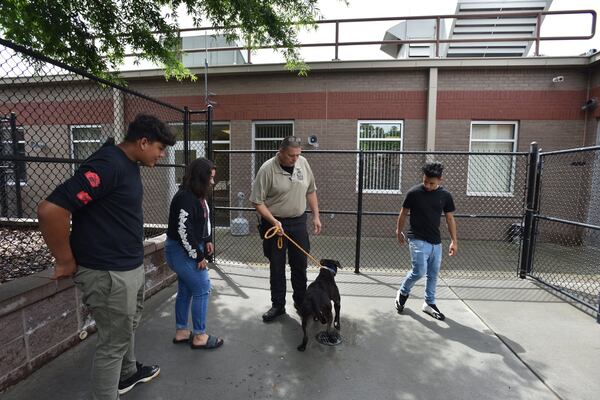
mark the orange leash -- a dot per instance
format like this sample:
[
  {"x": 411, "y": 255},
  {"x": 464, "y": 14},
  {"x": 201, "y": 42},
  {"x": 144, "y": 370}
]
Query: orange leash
[{"x": 272, "y": 231}]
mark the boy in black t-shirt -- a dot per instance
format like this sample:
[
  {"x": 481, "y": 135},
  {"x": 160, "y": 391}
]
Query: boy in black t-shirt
[
  {"x": 104, "y": 249},
  {"x": 426, "y": 202}
]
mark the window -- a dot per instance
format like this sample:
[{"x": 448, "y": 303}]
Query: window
[
  {"x": 6, "y": 149},
  {"x": 492, "y": 175},
  {"x": 382, "y": 172},
  {"x": 268, "y": 136},
  {"x": 86, "y": 139}
]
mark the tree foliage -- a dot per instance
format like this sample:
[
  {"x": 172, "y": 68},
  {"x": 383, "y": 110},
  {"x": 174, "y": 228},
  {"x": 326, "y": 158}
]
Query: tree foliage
[{"x": 95, "y": 35}]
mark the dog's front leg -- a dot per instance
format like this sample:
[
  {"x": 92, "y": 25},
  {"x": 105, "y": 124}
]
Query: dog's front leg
[{"x": 336, "y": 322}]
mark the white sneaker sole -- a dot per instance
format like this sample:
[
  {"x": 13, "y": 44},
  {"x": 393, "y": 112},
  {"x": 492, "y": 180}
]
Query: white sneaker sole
[
  {"x": 148, "y": 379},
  {"x": 430, "y": 311}
]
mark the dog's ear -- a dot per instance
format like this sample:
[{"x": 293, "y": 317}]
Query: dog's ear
[{"x": 333, "y": 264}]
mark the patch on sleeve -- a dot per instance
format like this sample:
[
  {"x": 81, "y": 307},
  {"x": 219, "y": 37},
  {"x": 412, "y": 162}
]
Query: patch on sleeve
[
  {"x": 84, "y": 197},
  {"x": 92, "y": 178}
]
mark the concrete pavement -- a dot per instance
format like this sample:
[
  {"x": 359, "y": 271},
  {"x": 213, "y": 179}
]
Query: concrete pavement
[{"x": 501, "y": 340}]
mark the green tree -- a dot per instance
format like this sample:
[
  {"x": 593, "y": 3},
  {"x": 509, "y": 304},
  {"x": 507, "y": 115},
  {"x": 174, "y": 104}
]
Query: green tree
[{"x": 95, "y": 35}]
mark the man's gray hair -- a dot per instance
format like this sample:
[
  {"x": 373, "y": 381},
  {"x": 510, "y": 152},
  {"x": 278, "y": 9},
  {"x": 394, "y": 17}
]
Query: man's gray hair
[{"x": 290, "y": 141}]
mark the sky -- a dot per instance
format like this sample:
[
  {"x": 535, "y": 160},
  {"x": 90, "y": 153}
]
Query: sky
[{"x": 337, "y": 9}]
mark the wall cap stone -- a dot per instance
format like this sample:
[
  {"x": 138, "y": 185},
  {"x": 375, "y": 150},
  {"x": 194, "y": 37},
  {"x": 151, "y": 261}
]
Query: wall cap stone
[{"x": 21, "y": 292}]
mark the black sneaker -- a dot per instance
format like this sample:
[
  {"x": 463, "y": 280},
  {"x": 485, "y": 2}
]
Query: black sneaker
[
  {"x": 432, "y": 310},
  {"x": 401, "y": 302},
  {"x": 273, "y": 313},
  {"x": 145, "y": 373}
]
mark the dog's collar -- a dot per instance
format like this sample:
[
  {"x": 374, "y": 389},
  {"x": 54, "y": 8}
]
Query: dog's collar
[{"x": 329, "y": 269}]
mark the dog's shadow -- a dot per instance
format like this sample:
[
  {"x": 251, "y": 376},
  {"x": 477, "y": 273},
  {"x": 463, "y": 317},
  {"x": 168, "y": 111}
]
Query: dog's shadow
[{"x": 291, "y": 331}]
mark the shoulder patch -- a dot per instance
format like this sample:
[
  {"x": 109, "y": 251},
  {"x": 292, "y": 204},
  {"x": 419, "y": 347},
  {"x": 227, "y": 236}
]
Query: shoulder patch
[{"x": 92, "y": 178}]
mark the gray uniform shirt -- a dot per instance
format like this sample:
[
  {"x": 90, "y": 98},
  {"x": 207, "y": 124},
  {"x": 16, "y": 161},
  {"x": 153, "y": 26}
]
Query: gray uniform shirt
[{"x": 284, "y": 194}]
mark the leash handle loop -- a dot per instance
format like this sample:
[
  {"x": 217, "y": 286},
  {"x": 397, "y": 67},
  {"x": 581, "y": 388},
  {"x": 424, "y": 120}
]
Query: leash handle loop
[{"x": 272, "y": 231}]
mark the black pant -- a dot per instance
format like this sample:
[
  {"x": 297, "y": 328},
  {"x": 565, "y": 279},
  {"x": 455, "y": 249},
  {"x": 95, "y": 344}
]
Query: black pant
[{"x": 296, "y": 229}]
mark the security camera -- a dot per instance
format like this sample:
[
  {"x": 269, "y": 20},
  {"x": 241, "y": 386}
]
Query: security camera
[
  {"x": 312, "y": 140},
  {"x": 590, "y": 104},
  {"x": 558, "y": 79}
]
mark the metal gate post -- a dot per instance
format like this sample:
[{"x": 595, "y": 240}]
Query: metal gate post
[
  {"x": 598, "y": 311},
  {"x": 530, "y": 210},
  {"x": 186, "y": 136},
  {"x": 16, "y": 164},
  {"x": 361, "y": 162},
  {"x": 209, "y": 137}
]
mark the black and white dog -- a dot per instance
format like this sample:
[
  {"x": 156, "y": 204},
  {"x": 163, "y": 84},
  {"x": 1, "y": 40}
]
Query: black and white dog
[{"x": 317, "y": 300}]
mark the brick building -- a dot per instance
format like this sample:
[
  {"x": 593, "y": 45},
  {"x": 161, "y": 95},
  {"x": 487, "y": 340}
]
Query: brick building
[{"x": 500, "y": 104}]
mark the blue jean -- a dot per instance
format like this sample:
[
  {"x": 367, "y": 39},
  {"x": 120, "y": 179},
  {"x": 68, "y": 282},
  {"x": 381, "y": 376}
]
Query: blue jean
[
  {"x": 193, "y": 287},
  {"x": 426, "y": 259}
]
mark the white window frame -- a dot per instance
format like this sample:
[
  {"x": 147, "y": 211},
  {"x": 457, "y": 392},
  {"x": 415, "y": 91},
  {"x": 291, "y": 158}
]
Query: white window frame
[
  {"x": 401, "y": 140},
  {"x": 72, "y": 142},
  {"x": 513, "y": 168},
  {"x": 255, "y": 139},
  {"x": 22, "y": 182}
]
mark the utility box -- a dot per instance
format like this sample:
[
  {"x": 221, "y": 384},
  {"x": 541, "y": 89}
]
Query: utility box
[
  {"x": 514, "y": 232},
  {"x": 240, "y": 225}
]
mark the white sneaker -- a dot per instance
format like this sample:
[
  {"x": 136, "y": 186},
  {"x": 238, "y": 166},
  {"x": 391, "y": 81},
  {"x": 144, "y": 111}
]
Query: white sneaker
[{"x": 432, "y": 310}]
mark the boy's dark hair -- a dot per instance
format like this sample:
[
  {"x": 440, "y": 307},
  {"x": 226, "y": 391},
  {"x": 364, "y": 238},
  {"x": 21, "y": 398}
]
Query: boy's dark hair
[
  {"x": 433, "y": 169},
  {"x": 197, "y": 177},
  {"x": 149, "y": 127}
]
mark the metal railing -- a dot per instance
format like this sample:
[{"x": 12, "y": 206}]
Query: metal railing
[{"x": 336, "y": 43}]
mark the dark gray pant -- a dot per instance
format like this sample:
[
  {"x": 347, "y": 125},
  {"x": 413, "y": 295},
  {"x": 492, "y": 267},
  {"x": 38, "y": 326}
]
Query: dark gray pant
[
  {"x": 116, "y": 300},
  {"x": 296, "y": 229}
]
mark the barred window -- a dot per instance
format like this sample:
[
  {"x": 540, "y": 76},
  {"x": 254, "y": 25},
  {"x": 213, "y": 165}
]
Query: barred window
[
  {"x": 382, "y": 172},
  {"x": 85, "y": 141},
  {"x": 492, "y": 175},
  {"x": 7, "y": 168},
  {"x": 267, "y": 136}
]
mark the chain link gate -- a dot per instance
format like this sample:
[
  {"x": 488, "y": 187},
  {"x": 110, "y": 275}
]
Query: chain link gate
[
  {"x": 561, "y": 247},
  {"x": 52, "y": 117},
  {"x": 359, "y": 208}
]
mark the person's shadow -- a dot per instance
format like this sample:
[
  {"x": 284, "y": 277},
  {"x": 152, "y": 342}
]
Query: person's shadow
[{"x": 483, "y": 342}]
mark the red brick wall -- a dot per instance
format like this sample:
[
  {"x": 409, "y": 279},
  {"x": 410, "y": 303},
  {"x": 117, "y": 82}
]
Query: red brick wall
[{"x": 329, "y": 104}]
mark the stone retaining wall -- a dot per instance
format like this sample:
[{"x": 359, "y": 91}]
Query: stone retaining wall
[{"x": 40, "y": 318}]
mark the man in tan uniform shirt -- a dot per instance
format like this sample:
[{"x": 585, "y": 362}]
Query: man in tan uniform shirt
[{"x": 281, "y": 189}]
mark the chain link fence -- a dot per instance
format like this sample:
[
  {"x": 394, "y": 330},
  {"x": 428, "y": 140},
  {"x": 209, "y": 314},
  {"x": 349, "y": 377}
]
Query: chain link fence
[
  {"x": 567, "y": 226},
  {"x": 359, "y": 215},
  {"x": 52, "y": 117}
]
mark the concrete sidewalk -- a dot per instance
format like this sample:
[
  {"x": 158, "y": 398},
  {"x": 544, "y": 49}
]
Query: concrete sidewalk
[{"x": 501, "y": 340}]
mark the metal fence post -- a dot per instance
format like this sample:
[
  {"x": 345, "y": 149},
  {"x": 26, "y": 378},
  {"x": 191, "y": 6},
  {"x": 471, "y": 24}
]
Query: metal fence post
[
  {"x": 3, "y": 167},
  {"x": 359, "y": 211},
  {"x": 186, "y": 136},
  {"x": 209, "y": 138},
  {"x": 530, "y": 210},
  {"x": 16, "y": 164}
]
